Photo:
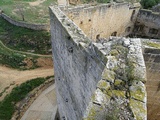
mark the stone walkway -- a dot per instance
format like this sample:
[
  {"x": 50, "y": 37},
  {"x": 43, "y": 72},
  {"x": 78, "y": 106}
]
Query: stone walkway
[{"x": 44, "y": 107}]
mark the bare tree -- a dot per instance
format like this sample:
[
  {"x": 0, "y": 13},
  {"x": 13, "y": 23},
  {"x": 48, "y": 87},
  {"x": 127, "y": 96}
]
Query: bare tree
[{"x": 20, "y": 11}]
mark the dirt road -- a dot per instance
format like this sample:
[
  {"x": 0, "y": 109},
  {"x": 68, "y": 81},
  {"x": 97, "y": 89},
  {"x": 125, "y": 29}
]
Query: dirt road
[{"x": 11, "y": 77}]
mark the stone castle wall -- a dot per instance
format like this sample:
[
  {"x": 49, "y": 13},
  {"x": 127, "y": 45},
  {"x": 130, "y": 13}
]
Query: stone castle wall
[
  {"x": 147, "y": 24},
  {"x": 104, "y": 20},
  {"x": 152, "y": 61},
  {"x": 24, "y": 24},
  {"x": 96, "y": 80},
  {"x": 75, "y": 80}
]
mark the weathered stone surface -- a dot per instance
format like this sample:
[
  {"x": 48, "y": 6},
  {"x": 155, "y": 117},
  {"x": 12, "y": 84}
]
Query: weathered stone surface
[
  {"x": 139, "y": 109},
  {"x": 102, "y": 84},
  {"x": 96, "y": 81},
  {"x": 108, "y": 75},
  {"x": 138, "y": 91},
  {"x": 147, "y": 24}
]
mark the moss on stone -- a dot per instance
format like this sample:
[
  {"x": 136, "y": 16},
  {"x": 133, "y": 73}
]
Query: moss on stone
[
  {"x": 118, "y": 82},
  {"x": 92, "y": 112},
  {"x": 102, "y": 84},
  {"x": 130, "y": 70},
  {"x": 114, "y": 52},
  {"x": 153, "y": 44},
  {"x": 137, "y": 91},
  {"x": 138, "y": 94},
  {"x": 121, "y": 49},
  {"x": 119, "y": 93},
  {"x": 138, "y": 108},
  {"x": 108, "y": 75}
]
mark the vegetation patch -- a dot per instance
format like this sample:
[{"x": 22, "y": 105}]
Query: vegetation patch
[
  {"x": 7, "y": 106},
  {"x": 24, "y": 39},
  {"x": 6, "y": 88},
  {"x": 153, "y": 44},
  {"x": 16, "y": 60},
  {"x": 147, "y": 4},
  {"x": 31, "y": 11}
]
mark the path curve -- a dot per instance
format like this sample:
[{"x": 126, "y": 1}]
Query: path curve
[
  {"x": 28, "y": 53},
  {"x": 44, "y": 107},
  {"x": 9, "y": 76}
]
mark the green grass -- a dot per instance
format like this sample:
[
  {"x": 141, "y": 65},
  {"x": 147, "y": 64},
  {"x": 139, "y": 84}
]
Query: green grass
[
  {"x": 14, "y": 59},
  {"x": 32, "y": 14},
  {"x": 7, "y": 106},
  {"x": 24, "y": 39}
]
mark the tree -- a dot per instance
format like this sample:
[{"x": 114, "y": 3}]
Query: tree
[
  {"x": 20, "y": 11},
  {"x": 147, "y": 4}
]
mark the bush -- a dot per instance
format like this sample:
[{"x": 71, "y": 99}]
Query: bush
[
  {"x": 7, "y": 106},
  {"x": 147, "y": 4}
]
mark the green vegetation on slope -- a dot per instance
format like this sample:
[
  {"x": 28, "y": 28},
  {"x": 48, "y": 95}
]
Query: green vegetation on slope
[
  {"x": 7, "y": 106},
  {"x": 147, "y": 4},
  {"x": 24, "y": 39},
  {"x": 14, "y": 59},
  {"x": 31, "y": 12}
]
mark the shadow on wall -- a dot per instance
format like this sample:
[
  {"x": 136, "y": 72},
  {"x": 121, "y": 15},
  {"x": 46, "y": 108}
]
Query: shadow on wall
[
  {"x": 152, "y": 61},
  {"x": 147, "y": 24}
]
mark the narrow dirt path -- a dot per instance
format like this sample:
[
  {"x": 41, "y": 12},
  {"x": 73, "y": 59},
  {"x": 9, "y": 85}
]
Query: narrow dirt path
[
  {"x": 28, "y": 53},
  {"x": 44, "y": 107},
  {"x": 36, "y": 3},
  {"x": 11, "y": 77}
]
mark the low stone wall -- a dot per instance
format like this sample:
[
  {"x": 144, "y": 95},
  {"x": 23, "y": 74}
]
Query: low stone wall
[
  {"x": 23, "y": 105},
  {"x": 24, "y": 24},
  {"x": 147, "y": 24}
]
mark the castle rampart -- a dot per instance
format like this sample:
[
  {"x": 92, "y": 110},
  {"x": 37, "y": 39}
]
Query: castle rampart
[{"x": 96, "y": 80}]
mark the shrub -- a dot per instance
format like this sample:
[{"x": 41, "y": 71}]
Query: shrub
[
  {"x": 147, "y": 4},
  {"x": 7, "y": 106}
]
